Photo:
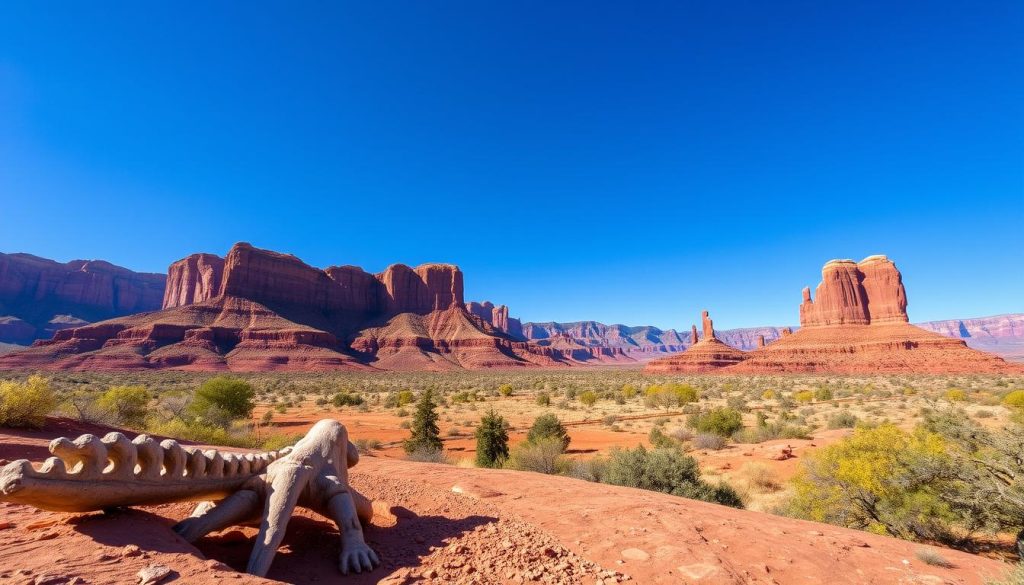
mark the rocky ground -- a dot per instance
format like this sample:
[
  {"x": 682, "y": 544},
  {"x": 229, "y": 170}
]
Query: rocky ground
[{"x": 455, "y": 525}]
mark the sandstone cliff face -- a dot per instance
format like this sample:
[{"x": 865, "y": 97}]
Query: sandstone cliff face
[
  {"x": 497, "y": 317},
  {"x": 39, "y": 294},
  {"x": 259, "y": 310},
  {"x": 194, "y": 279},
  {"x": 851, "y": 293}
]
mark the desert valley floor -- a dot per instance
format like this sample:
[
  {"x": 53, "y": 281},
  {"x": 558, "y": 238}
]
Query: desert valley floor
[{"x": 450, "y": 523}]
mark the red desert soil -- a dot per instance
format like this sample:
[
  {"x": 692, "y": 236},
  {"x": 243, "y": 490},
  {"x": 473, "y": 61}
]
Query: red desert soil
[{"x": 472, "y": 526}]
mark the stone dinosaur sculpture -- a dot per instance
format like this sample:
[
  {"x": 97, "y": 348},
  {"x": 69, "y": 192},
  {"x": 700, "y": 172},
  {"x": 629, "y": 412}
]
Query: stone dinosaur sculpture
[{"x": 90, "y": 473}]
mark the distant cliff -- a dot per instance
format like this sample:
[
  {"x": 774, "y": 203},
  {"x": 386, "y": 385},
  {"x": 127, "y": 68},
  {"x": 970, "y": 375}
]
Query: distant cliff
[{"x": 39, "y": 297}]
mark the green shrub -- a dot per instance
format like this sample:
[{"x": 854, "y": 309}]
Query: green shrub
[
  {"x": 346, "y": 399},
  {"x": 842, "y": 420},
  {"x": 547, "y": 426},
  {"x": 543, "y": 455},
  {"x": 955, "y": 395},
  {"x": 505, "y": 389},
  {"x": 588, "y": 398},
  {"x": 659, "y": 440},
  {"x": 231, "y": 396},
  {"x": 722, "y": 421},
  {"x": 665, "y": 470},
  {"x": 491, "y": 441},
  {"x": 26, "y": 404},
  {"x": 1014, "y": 399},
  {"x": 544, "y": 399},
  {"x": 128, "y": 404}
]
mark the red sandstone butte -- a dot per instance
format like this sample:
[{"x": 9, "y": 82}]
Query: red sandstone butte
[
  {"x": 857, "y": 323},
  {"x": 707, "y": 355}
]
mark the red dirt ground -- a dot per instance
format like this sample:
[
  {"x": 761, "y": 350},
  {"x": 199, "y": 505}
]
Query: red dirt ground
[{"x": 474, "y": 526}]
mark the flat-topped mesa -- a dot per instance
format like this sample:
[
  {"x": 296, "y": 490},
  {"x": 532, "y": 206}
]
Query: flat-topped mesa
[
  {"x": 856, "y": 293},
  {"x": 279, "y": 279}
]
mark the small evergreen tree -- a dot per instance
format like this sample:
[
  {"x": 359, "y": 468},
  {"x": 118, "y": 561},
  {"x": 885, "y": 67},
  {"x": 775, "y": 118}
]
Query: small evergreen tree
[
  {"x": 425, "y": 434},
  {"x": 548, "y": 426},
  {"x": 491, "y": 441}
]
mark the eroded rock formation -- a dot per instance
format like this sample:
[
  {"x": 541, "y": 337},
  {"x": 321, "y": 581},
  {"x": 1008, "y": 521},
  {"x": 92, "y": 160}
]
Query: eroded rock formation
[
  {"x": 40, "y": 296},
  {"x": 857, "y": 323},
  {"x": 260, "y": 310},
  {"x": 707, "y": 355}
]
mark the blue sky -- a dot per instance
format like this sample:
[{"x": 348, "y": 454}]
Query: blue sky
[{"x": 623, "y": 162}]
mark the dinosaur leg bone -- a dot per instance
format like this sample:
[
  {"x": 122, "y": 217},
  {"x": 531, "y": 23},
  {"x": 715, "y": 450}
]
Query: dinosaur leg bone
[
  {"x": 356, "y": 555},
  {"x": 285, "y": 483},
  {"x": 236, "y": 508}
]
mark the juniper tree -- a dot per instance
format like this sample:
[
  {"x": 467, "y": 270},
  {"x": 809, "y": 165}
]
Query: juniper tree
[
  {"x": 491, "y": 441},
  {"x": 425, "y": 434},
  {"x": 548, "y": 426}
]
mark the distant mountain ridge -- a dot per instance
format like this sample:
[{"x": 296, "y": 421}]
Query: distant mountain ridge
[{"x": 999, "y": 334}]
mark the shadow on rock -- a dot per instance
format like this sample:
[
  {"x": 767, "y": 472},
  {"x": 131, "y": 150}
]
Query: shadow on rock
[{"x": 309, "y": 553}]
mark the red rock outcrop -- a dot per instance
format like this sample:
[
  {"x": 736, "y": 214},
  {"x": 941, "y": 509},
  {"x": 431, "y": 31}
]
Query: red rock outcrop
[
  {"x": 194, "y": 279},
  {"x": 259, "y": 310},
  {"x": 693, "y": 335},
  {"x": 858, "y": 324},
  {"x": 39, "y": 295},
  {"x": 760, "y": 341},
  {"x": 707, "y": 355},
  {"x": 851, "y": 293}
]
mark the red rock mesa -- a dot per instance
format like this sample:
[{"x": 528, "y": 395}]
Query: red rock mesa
[{"x": 708, "y": 354}]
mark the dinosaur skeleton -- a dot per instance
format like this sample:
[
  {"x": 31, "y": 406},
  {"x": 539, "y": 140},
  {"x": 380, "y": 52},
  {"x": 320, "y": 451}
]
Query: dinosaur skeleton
[{"x": 90, "y": 473}]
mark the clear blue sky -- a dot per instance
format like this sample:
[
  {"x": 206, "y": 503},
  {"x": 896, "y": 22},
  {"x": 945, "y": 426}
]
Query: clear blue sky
[{"x": 627, "y": 162}]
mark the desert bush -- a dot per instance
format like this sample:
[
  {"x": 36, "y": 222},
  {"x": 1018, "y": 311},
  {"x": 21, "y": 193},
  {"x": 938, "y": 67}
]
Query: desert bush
[
  {"x": 127, "y": 404},
  {"x": 681, "y": 434},
  {"x": 842, "y": 420},
  {"x": 768, "y": 395},
  {"x": 200, "y": 431},
  {"x": 231, "y": 396},
  {"x": 592, "y": 469},
  {"x": 588, "y": 398},
  {"x": 659, "y": 439},
  {"x": 823, "y": 393},
  {"x": 26, "y": 404},
  {"x": 543, "y": 455},
  {"x": 505, "y": 389},
  {"x": 955, "y": 395},
  {"x": 932, "y": 557},
  {"x": 491, "y": 441},
  {"x": 345, "y": 398},
  {"x": 665, "y": 470},
  {"x": 280, "y": 441},
  {"x": 804, "y": 396},
  {"x": 547, "y": 426},
  {"x": 710, "y": 441},
  {"x": 628, "y": 391},
  {"x": 669, "y": 395},
  {"x": 543, "y": 399},
  {"x": 1014, "y": 399},
  {"x": 427, "y": 455},
  {"x": 762, "y": 478},
  {"x": 863, "y": 482},
  {"x": 722, "y": 421},
  {"x": 367, "y": 446}
]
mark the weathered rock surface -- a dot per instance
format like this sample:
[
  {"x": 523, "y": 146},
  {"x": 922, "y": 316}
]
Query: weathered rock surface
[
  {"x": 40, "y": 296},
  {"x": 707, "y": 355},
  {"x": 852, "y": 293}
]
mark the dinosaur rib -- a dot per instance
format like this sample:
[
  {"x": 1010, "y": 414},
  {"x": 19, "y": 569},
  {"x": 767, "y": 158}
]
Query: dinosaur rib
[{"x": 90, "y": 473}]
